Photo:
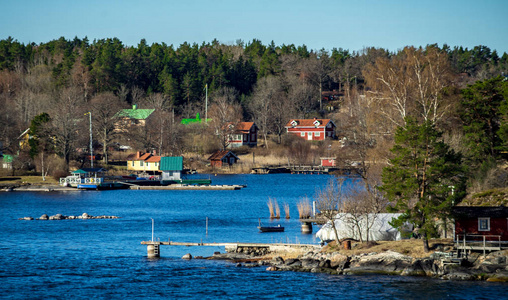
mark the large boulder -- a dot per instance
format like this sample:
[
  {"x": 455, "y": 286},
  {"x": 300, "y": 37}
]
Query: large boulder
[
  {"x": 387, "y": 262},
  {"x": 44, "y": 217},
  {"x": 57, "y": 217},
  {"x": 187, "y": 256}
]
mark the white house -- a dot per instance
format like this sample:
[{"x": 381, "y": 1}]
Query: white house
[{"x": 380, "y": 229}]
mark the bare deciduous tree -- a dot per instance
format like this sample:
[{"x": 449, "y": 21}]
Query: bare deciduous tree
[
  {"x": 67, "y": 109},
  {"x": 104, "y": 108},
  {"x": 225, "y": 113},
  {"x": 411, "y": 84},
  {"x": 329, "y": 202}
]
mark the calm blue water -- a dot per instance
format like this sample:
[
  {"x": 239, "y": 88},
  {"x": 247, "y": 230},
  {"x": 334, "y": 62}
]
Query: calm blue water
[{"x": 104, "y": 258}]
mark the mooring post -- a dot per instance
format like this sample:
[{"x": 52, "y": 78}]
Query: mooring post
[
  {"x": 306, "y": 227},
  {"x": 153, "y": 250}
]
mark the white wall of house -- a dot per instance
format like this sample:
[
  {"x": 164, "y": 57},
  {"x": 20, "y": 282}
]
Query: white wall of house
[{"x": 171, "y": 175}]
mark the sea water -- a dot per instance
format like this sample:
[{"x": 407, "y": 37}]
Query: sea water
[{"x": 104, "y": 258}]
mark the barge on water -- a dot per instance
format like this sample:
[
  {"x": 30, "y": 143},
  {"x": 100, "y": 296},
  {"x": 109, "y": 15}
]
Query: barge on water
[{"x": 95, "y": 179}]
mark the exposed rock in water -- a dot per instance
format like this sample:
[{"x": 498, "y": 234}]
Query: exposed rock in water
[
  {"x": 84, "y": 216},
  {"x": 187, "y": 256}
]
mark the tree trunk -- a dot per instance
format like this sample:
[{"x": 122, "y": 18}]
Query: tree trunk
[
  {"x": 335, "y": 231},
  {"x": 425, "y": 244},
  {"x": 42, "y": 166}
]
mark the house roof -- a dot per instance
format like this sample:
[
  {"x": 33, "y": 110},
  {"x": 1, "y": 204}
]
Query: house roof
[
  {"x": 153, "y": 158},
  {"x": 308, "y": 123},
  {"x": 171, "y": 163},
  {"x": 244, "y": 127},
  {"x": 480, "y": 211},
  {"x": 135, "y": 113},
  {"x": 220, "y": 155},
  {"x": 88, "y": 170},
  {"x": 143, "y": 156}
]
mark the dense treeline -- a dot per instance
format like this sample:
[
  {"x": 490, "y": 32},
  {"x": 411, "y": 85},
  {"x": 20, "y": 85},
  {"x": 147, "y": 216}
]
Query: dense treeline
[{"x": 374, "y": 90}]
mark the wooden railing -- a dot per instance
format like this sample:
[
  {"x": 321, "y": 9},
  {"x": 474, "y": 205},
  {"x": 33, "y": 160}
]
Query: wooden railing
[{"x": 478, "y": 242}]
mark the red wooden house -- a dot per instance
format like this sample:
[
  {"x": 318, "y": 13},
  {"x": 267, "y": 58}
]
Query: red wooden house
[
  {"x": 223, "y": 158},
  {"x": 244, "y": 134},
  {"x": 481, "y": 221},
  {"x": 312, "y": 129}
]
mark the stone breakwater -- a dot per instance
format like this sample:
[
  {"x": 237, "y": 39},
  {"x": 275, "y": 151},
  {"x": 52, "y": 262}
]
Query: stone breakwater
[
  {"x": 493, "y": 267},
  {"x": 84, "y": 216}
]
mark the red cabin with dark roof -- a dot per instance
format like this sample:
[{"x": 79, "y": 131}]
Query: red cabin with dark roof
[{"x": 223, "y": 158}]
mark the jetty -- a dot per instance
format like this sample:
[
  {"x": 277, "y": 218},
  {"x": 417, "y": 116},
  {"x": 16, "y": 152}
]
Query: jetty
[
  {"x": 187, "y": 187},
  {"x": 153, "y": 247}
]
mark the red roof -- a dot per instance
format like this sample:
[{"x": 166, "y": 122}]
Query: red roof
[
  {"x": 242, "y": 127},
  {"x": 153, "y": 159},
  {"x": 142, "y": 156},
  {"x": 308, "y": 123}
]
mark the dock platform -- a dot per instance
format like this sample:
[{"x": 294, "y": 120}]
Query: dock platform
[
  {"x": 187, "y": 187},
  {"x": 153, "y": 247}
]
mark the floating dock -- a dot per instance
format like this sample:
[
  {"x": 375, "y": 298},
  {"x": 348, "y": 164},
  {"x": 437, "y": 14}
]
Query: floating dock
[{"x": 187, "y": 187}]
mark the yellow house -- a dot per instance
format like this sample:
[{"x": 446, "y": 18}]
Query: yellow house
[{"x": 143, "y": 162}]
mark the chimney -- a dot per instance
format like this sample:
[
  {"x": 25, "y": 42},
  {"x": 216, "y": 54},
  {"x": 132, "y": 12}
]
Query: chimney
[
  {"x": 138, "y": 154},
  {"x": 154, "y": 152}
]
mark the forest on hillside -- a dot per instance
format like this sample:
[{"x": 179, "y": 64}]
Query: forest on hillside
[{"x": 49, "y": 87}]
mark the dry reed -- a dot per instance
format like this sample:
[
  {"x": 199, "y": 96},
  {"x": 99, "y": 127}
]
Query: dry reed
[
  {"x": 274, "y": 208},
  {"x": 277, "y": 209},
  {"x": 304, "y": 208},
  {"x": 286, "y": 210},
  {"x": 271, "y": 208}
]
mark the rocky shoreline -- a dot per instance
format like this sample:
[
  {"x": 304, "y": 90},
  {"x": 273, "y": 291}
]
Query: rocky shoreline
[{"x": 493, "y": 267}]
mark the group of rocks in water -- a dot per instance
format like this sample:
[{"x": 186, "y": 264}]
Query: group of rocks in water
[
  {"x": 84, "y": 216},
  {"x": 492, "y": 267}
]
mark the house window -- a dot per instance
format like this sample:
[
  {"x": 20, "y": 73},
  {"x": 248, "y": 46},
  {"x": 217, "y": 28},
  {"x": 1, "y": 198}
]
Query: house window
[
  {"x": 133, "y": 163},
  {"x": 302, "y": 133},
  {"x": 317, "y": 133},
  {"x": 140, "y": 163},
  {"x": 483, "y": 224}
]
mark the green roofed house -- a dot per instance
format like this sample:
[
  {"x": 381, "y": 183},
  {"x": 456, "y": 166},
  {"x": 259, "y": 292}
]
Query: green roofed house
[
  {"x": 7, "y": 161},
  {"x": 132, "y": 117},
  {"x": 171, "y": 167}
]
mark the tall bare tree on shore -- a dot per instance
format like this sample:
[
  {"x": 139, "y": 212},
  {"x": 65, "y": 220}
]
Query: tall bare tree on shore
[
  {"x": 225, "y": 113},
  {"x": 104, "y": 108}
]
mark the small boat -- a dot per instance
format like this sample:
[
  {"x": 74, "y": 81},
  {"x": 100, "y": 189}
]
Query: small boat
[
  {"x": 277, "y": 228},
  {"x": 271, "y": 228}
]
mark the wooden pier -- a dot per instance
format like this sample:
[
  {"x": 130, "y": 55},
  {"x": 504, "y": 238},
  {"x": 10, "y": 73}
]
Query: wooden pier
[{"x": 153, "y": 247}]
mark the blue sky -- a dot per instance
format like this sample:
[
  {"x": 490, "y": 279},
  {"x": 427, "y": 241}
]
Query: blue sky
[{"x": 351, "y": 24}]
